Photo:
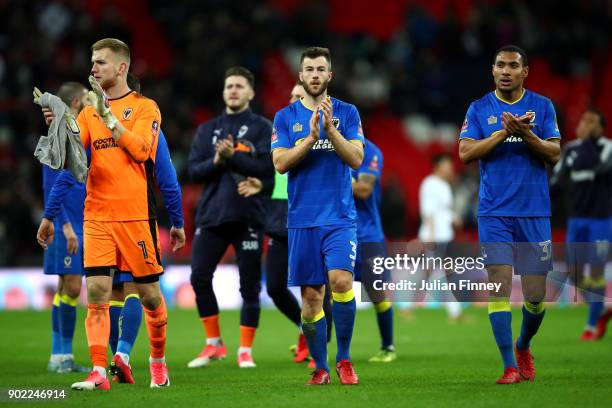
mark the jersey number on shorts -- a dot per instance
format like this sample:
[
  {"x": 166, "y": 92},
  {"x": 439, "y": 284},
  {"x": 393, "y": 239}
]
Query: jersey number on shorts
[{"x": 142, "y": 246}]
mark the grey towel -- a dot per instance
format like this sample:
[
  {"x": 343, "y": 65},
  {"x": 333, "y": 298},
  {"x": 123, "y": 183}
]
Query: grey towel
[{"x": 63, "y": 142}]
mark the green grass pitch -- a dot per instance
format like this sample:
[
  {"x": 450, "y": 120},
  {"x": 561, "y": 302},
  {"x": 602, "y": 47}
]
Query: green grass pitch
[{"x": 438, "y": 365}]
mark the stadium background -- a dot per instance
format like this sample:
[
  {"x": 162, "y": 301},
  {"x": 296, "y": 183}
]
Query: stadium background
[{"x": 410, "y": 66}]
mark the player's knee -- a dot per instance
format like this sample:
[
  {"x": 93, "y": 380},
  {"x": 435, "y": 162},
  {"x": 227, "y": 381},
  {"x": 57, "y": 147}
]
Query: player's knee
[
  {"x": 534, "y": 295},
  {"x": 250, "y": 288},
  {"x": 201, "y": 282},
  {"x": 341, "y": 283},
  {"x": 151, "y": 301},
  {"x": 312, "y": 298},
  {"x": 72, "y": 288},
  {"x": 97, "y": 292},
  {"x": 275, "y": 292}
]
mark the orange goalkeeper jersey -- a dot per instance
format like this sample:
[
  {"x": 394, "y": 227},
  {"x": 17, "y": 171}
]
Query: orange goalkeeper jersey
[{"x": 120, "y": 184}]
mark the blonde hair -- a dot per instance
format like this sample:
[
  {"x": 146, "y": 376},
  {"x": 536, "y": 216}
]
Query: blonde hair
[{"x": 116, "y": 46}]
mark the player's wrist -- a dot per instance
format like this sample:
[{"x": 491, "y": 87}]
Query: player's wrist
[{"x": 110, "y": 120}]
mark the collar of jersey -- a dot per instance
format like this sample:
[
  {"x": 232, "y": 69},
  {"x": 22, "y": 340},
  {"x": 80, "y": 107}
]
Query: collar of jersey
[
  {"x": 121, "y": 97},
  {"x": 304, "y": 105},
  {"x": 505, "y": 101},
  {"x": 242, "y": 114}
]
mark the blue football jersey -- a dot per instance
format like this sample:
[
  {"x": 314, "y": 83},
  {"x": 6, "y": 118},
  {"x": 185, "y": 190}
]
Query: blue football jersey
[
  {"x": 369, "y": 225},
  {"x": 319, "y": 187},
  {"x": 513, "y": 180}
]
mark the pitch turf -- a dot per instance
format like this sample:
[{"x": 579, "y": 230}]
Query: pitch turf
[{"x": 438, "y": 365}]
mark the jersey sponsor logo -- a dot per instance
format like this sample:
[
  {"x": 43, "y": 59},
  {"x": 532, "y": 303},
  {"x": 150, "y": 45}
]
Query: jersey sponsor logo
[
  {"x": 336, "y": 122},
  {"x": 105, "y": 143},
  {"x": 323, "y": 144},
  {"x": 250, "y": 245},
  {"x": 242, "y": 131},
  {"x": 464, "y": 127},
  {"x": 297, "y": 127},
  {"x": 491, "y": 120},
  {"x": 127, "y": 112},
  {"x": 513, "y": 139}
]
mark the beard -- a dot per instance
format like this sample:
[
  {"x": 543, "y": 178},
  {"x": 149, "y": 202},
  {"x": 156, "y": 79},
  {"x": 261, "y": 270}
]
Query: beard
[
  {"x": 315, "y": 94},
  {"x": 236, "y": 107}
]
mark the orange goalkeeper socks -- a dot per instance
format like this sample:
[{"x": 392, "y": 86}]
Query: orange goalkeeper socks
[
  {"x": 211, "y": 326},
  {"x": 247, "y": 335},
  {"x": 97, "y": 328},
  {"x": 156, "y": 321}
]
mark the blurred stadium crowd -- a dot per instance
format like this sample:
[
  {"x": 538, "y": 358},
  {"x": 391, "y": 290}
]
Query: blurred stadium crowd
[{"x": 410, "y": 66}]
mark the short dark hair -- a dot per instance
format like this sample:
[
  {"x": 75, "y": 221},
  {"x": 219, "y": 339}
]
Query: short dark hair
[
  {"x": 602, "y": 118},
  {"x": 70, "y": 90},
  {"x": 243, "y": 72},
  {"x": 133, "y": 82},
  {"x": 315, "y": 52},
  {"x": 512, "y": 48},
  {"x": 440, "y": 157}
]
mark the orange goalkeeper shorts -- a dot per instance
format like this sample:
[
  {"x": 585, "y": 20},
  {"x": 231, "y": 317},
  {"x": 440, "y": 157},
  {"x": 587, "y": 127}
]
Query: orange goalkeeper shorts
[{"x": 131, "y": 245}]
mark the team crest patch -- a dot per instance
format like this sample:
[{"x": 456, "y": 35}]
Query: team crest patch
[
  {"x": 297, "y": 127},
  {"x": 274, "y": 134},
  {"x": 534, "y": 116},
  {"x": 491, "y": 120},
  {"x": 336, "y": 122},
  {"x": 67, "y": 262},
  {"x": 154, "y": 127},
  {"x": 242, "y": 131},
  {"x": 127, "y": 112}
]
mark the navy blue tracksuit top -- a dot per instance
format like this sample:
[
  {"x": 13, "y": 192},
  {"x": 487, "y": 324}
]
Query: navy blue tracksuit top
[{"x": 220, "y": 202}]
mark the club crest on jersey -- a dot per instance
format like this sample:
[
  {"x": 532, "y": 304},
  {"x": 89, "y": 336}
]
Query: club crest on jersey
[
  {"x": 154, "y": 127},
  {"x": 297, "y": 127},
  {"x": 274, "y": 135},
  {"x": 336, "y": 122},
  {"x": 127, "y": 112},
  {"x": 67, "y": 262},
  {"x": 491, "y": 120},
  {"x": 242, "y": 131},
  {"x": 534, "y": 116}
]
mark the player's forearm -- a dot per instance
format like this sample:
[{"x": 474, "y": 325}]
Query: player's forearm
[
  {"x": 361, "y": 190},
  {"x": 137, "y": 146},
  {"x": 470, "y": 150},
  {"x": 286, "y": 159},
  {"x": 202, "y": 171},
  {"x": 547, "y": 150},
  {"x": 55, "y": 203},
  {"x": 259, "y": 167},
  {"x": 347, "y": 151}
]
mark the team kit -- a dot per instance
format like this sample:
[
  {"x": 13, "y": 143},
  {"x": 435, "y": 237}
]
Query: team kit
[{"x": 310, "y": 181}]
